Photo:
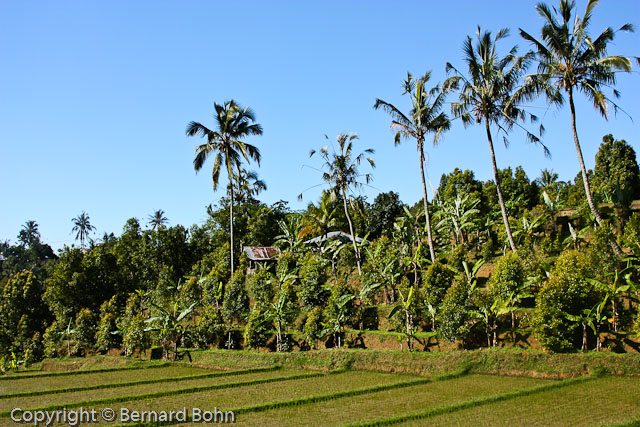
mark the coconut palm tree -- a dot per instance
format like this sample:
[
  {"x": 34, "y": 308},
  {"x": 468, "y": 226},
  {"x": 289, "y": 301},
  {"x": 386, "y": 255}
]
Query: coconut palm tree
[
  {"x": 157, "y": 219},
  {"x": 233, "y": 123},
  {"x": 341, "y": 173},
  {"x": 489, "y": 94},
  {"x": 424, "y": 118},
  {"x": 29, "y": 233},
  {"x": 247, "y": 185},
  {"x": 569, "y": 61},
  {"x": 82, "y": 227}
]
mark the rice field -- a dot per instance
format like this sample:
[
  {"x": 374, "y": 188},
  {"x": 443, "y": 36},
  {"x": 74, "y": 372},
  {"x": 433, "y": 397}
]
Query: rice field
[{"x": 297, "y": 397}]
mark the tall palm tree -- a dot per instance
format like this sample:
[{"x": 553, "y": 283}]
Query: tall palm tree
[
  {"x": 157, "y": 219},
  {"x": 341, "y": 173},
  {"x": 233, "y": 123},
  {"x": 489, "y": 94},
  {"x": 569, "y": 61},
  {"x": 29, "y": 233},
  {"x": 82, "y": 227},
  {"x": 424, "y": 118}
]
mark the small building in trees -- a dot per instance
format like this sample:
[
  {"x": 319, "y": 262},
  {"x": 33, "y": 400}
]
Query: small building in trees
[{"x": 259, "y": 255}]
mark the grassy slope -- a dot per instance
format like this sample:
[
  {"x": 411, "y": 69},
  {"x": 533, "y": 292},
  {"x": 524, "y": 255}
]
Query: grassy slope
[{"x": 503, "y": 362}]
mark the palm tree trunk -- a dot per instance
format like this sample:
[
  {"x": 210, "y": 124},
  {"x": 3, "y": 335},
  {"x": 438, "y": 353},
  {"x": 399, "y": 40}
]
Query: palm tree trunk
[
  {"x": 231, "y": 225},
  {"x": 426, "y": 204},
  {"x": 585, "y": 178},
  {"x": 353, "y": 236},
  {"x": 503, "y": 208}
]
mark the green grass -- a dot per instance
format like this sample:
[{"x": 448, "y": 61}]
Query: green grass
[
  {"x": 200, "y": 374},
  {"x": 243, "y": 396},
  {"x": 604, "y": 400},
  {"x": 384, "y": 403},
  {"x": 85, "y": 378},
  {"x": 494, "y": 361},
  {"x": 73, "y": 399}
]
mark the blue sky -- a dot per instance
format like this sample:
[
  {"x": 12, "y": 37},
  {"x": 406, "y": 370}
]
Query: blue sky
[{"x": 95, "y": 97}]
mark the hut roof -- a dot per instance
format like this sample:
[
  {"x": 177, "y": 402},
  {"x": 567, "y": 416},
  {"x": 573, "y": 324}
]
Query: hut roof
[{"x": 261, "y": 253}]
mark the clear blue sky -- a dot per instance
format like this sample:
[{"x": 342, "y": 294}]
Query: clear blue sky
[{"x": 95, "y": 97}]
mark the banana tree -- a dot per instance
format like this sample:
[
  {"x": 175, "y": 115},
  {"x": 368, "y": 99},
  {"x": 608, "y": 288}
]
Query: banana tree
[
  {"x": 282, "y": 312},
  {"x": 335, "y": 325},
  {"x": 405, "y": 304},
  {"x": 612, "y": 290},
  {"x": 592, "y": 318},
  {"x": 169, "y": 325}
]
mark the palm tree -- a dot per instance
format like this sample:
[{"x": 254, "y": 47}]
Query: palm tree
[
  {"x": 342, "y": 175},
  {"x": 570, "y": 60},
  {"x": 233, "y": 124},
  {"x": 157, "y": 219},
  {"x": 489, "y": 95},
  {"x": 82, "y": 227},
  {"x": 425, "y": 117},
  {"x": 319, "y": 220},
  {"x": 248, "y": 185},
  {"x": 29, "y": 233}
]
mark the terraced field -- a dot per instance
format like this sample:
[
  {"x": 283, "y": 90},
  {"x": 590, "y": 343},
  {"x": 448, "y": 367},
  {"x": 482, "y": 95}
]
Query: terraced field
[{"x": 297, "y": 397}]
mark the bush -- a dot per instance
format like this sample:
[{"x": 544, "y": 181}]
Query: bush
[
  {"x": 210, "y": 328},
  {"x": 260, "y": 287},
  {"x": 134, "y": 336},
  {"x": 437, "y": 279},
  {"x": 236, "y": 301},
  {"x": 258, "y": 329},
  {"x": 507, "y": 277},
  {"x": 566, "y": 292},
  {"x": 313, "y": 327},
  {"x": 52, "y": 340},
  {"x": 84, "y": 332},
  {"x": 312, "y": 278},
  {"x": 454, "y": 313},
  {"x": 105, "y": 338}
]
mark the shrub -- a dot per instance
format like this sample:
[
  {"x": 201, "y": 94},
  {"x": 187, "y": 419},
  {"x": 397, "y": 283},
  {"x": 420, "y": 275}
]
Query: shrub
[
  {"x": 260, "y": 287},
  {"x": 105, "y": 338},
  {"x": 312, "y": 278},
  {"x": 84, "y": 332},
  {"x": 437, "y": 279},
  {"x": 209, "y": 329},
  {"x": 134, "y": 336},
  {"x": 236, "y": 301},
  {"x": 258, "y": 329},
  {"x": 313, "y": 327},
  {"x": 507, "y": 277},
  {"x": 454, "y": 313},
  {"x": 52, "y": 340},
  {"x": 566, "y": 292}
]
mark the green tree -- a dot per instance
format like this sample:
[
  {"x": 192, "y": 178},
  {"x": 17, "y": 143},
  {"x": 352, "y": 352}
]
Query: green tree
[
  {"x": 342, "y": 175},
  {"x": 454, "y": 315},
  {"x": 489, "y": 94},
  {"x": 106, "y": 338},
  {"x": 570, "y": 60},
  {"x": 84, "y": 332},
  {"x": 616, "y": 174},
  {"x": 424, "y": 118},
  {"x": 385, "y": 209},
  {"x": 82, "y": 227},
  {"x": 233, "y": 123}
]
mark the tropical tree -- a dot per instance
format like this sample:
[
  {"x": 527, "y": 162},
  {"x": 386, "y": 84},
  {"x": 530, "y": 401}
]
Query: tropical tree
[
  {"x": 341, "y": 173},
  {"x": 425, "y": 117},
  {"x": 82, "y": 227},
  {"x": 490, "y": 94},
  {"x": 157, "y": 219},
  {"x": 570, "y": 60},
  {"x": 233, "y": 123},
  {"x": 29, "y": 233},
  {"x": 248, "y": 185}
]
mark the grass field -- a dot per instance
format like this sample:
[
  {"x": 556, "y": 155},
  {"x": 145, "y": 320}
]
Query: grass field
[{"x": 272, "y": 395}]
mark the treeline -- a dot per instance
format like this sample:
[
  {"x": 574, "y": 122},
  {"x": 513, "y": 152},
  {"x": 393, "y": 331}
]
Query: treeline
[{"x": 169, "y": 285}]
